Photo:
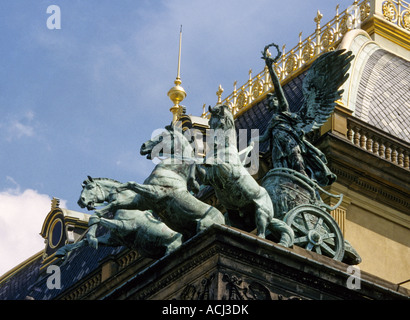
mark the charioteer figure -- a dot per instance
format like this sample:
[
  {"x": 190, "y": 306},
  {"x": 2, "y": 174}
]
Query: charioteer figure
[{"x": 286, "y": 131}]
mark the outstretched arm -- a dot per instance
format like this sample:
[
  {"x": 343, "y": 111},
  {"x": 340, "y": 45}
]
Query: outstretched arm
[
  {"x": 91, "y": 234},
  {"x": 283, "y": 103}
]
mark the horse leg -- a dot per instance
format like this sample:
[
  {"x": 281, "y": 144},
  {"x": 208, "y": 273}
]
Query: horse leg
[
  {"x": 146, "y": 190},
  {"x": 211, "y": 216},
  {"x": 63, "y": 251},
  {"x": 264, "y": 216},
  {"x": 89, "y": 239},
  {"x": 198, "y": 171},
  {"x": 263, "y": 212},
  {"x": 193, "y": 185},
  {"x": 104, "y": 240},
  {"x": 124, "y": 200},
  {"x": 108, "y": 208},
  {"x": 107, "y": 240},
  {"x": 115, "y": 224},
  {"x": 151, "y": 228},
  {"x": 93, "y": 223},
  {"x": 286, "y": 232},
  {"x": 261, "y": 221},
  {"x": 175, "y": 244},
  {"x": 111, "y": 207}
]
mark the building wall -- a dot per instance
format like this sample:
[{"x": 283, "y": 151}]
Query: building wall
[{"x": 380, "y": 235}]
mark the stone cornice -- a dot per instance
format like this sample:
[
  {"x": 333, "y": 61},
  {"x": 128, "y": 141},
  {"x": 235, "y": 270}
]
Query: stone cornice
[
  {"x": 363, "y": 171},
  {"x": 224, "y": 250}
]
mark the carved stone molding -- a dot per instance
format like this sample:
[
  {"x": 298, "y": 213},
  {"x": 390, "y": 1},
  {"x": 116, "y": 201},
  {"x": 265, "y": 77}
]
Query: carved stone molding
[
  {"x": 366, "y": 173},
  {"x": 223, "y": 263},
  {"x": 237, "y": 288},
  {"x": 199, "y": 291}
]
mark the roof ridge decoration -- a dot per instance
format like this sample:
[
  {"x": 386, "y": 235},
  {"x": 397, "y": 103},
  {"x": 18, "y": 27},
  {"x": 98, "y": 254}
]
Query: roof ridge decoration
[
  {"x": 397, "y": 12},
  {"x": 177, "y": 93},
  {"x": 325, "y": 38}
]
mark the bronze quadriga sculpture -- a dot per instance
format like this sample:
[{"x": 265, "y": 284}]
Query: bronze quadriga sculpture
[{"x": 286, "y": 204}]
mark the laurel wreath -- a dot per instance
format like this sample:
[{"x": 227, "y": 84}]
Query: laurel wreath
[{"x": 265, "y": 52}]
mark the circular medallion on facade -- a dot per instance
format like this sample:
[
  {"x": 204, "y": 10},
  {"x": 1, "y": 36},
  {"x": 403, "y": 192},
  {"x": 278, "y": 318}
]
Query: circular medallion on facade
[
  {"x": 56, "y": 233},
  {"x": 405, "y": 21}
]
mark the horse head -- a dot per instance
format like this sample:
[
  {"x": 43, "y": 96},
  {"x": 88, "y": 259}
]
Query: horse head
[
  {"x": 221, "y": 117},
  {"x": 171, "y": 142},
  {"x": 91, "y": 194}
]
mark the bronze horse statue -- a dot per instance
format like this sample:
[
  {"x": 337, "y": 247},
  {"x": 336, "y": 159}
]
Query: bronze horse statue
[
  {"x": 247, "y": 203},
  {"x": 135, "y": 229},
  {"x": 165, "y": 191}
]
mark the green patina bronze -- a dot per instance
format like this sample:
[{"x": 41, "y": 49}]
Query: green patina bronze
[
  {"x": 135, "y": 229},
  {"x": 300, "y": 169},
  {"x": 287, "y": 130},
  {"x": 165, "y": 192},
  {"x": 248, "y": 204},
  {"x": 157, "y": 216}
]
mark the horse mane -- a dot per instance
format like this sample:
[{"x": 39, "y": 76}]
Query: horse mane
[
  {"x": 113, "y": 180},
  {"x": 177, "y": 133},
  {"x": 222, "y": 111},
  {"x": 101, "y": 179}
]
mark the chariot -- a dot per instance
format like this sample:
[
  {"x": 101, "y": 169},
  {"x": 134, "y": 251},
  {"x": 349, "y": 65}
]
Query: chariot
[{"x": 297, "y": 202}]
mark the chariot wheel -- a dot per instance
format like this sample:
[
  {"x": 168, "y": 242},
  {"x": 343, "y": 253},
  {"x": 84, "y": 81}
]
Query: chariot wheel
[{"x": 316, "y": 230}]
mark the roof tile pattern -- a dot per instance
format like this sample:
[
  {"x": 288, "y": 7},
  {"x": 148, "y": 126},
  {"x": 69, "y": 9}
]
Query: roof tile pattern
[
  {"x": 259, "y": 116},
  {"x": 383, "y": 97},
  {"x": 31, "y": 283}
]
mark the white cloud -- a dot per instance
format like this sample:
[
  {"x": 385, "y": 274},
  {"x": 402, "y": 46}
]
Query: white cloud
[
  {"x": 21, "y": 218},
  {"x": 18, "y": 127}
]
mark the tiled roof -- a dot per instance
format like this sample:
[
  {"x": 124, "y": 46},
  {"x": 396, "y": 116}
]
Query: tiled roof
[
  {"x": 383, "y": 98},
  {"x": 31, "y": 283},
  {"x": 17, "y": 286},
  {"x": 258, "y": 117}
]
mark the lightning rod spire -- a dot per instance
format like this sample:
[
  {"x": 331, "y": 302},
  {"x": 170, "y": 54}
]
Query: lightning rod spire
[{"x": 177, "y": 93}]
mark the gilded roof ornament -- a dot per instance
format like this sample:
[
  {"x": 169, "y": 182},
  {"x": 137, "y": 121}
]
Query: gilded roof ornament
[
  {"x": 177, "y": 93},
  {"x": 55, "y": 203}
]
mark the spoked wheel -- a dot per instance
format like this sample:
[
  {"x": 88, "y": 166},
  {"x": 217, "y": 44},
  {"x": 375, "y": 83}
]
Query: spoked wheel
[{"x": 316, "y": 230}]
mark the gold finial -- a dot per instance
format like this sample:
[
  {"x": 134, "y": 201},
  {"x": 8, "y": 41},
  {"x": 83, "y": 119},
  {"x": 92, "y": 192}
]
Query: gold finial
[
  {"x": 317, "y": 19},
  {"x": 177, "y": 93},
  {"x": 203, "y": 115},
  {"x": 219, "y": 94},
  {"x": 55, "y": 203}
]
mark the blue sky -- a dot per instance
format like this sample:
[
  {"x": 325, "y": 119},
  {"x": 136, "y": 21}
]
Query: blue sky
[{"x": 81, "y": 100}]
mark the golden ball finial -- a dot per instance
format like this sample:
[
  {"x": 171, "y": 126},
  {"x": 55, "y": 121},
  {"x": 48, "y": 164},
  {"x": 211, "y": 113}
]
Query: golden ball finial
[{"x": 177, "y": 93}]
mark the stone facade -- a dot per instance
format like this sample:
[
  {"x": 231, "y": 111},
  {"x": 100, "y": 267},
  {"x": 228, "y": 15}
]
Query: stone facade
[{"x": 223, "y": 263}]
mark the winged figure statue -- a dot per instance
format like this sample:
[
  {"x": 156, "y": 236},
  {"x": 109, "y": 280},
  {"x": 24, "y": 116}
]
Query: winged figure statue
[{"x": 286, "y": 131}]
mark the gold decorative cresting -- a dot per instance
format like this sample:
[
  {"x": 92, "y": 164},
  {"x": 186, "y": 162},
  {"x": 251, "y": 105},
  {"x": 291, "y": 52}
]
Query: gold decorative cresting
[
  {"x": 326, "y": 37},
  {"x": 177, "y": 93}
]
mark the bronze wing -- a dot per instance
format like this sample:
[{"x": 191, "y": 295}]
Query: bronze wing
[{"x": 321, "y": 88}]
